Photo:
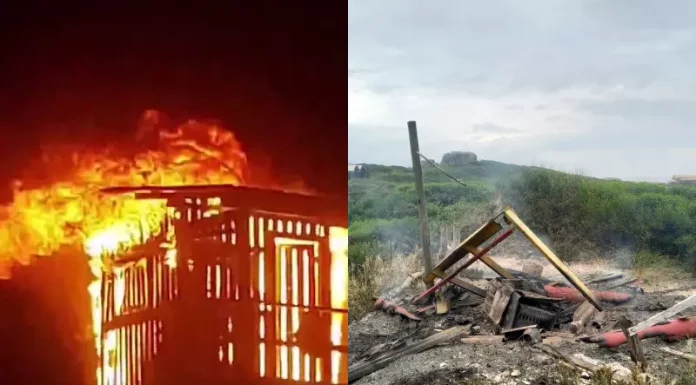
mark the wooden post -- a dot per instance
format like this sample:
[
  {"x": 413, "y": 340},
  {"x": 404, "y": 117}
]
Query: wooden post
[
  {"x": 633, "y": 343},
  {"x": 422, "y": 211}
]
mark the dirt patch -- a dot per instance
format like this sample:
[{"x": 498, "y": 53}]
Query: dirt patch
[{"x": 443, "y": 377}]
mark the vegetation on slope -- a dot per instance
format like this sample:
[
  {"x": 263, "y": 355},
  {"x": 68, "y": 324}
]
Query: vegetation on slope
[{"x": 575, "y": 212}]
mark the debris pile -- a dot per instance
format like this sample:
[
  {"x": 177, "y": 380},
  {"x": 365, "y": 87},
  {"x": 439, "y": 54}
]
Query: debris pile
[{"x": 521, "y": 307}]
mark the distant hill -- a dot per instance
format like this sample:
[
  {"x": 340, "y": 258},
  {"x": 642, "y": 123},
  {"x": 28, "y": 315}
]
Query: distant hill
[
  {"x": 597, "y": 214},
  {"x": 488, "y": 171}
]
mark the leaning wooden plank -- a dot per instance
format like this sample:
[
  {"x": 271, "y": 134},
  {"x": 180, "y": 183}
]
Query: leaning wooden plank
[
  {"x": 461, "y": 268},
  {"x": 464, "y": 285},
  {"x": 362, "y": 369},
  {"x": 664, "y": 316},
  {"x": 488, "y": 261},
  {"x": 677, "y": 353},
  {"x": 480, "y": 236},
  {"x": 555, "y": 261}
]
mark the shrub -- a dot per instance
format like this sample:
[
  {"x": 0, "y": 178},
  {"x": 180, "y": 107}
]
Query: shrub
[{"x": 574, "y": 210}]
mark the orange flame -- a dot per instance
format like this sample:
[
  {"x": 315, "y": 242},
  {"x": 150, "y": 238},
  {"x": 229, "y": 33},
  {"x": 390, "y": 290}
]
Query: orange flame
[{"x": 68, "y": 209}]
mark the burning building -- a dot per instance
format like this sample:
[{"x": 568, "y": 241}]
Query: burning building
[{"x": 197, "y": 277}]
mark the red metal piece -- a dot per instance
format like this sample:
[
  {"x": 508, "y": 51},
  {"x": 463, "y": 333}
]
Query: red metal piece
[
  {"x": 468, "y": 263},
  {"x": 381, "y": 303},
  {"x": 675, "y": 330},
  {"x": 573, "y": 295}
]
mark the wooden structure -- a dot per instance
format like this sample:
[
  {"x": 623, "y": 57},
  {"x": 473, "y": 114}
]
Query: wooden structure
[
  {"x": 245, "y": 296},
  {"x": 488, "y": 236}
]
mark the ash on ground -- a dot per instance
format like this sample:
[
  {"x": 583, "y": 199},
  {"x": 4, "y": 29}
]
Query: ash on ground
[{"x": 511, "y": 362}]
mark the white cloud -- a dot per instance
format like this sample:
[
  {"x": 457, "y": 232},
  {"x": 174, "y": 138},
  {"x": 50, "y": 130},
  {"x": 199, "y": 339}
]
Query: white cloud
[{"x": 572, "y": 84}]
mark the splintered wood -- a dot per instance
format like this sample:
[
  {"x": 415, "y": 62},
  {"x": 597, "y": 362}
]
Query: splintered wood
[
  {"x": 497, "y": 300},
  {"x": 361, "y": 369},
  {"x": 582, "y": 316}
]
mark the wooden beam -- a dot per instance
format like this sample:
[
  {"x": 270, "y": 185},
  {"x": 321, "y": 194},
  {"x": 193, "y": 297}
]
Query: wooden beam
[
  {"x": 422, "y": 210},
  {"x": 488, "y": 261},
  {"x": 664, "y": 316},
  {"x": 466, "y": 264},
  {"x": 484, "y": 233},
  {"x": 677, "y": 353},
  {"x": 463, "y": 284},
  {"x": 551, "y": 257}
]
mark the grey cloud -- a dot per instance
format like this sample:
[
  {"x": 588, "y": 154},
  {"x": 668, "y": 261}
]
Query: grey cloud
[
  {"x": 491, "y": 128},
  {"x": 490, "y": 49},
  {"x": 548, "y": 45},
  {"x": 641, "y": 108},
  {"x": 644, "y": 14}
]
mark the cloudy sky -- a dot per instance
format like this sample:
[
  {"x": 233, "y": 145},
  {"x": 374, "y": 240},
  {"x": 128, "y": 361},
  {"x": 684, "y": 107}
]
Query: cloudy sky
[{"x": 606, "y": 87}]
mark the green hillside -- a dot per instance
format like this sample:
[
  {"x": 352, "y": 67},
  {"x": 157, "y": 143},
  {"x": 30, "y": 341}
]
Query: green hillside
[{"x": 573, "y": 211}]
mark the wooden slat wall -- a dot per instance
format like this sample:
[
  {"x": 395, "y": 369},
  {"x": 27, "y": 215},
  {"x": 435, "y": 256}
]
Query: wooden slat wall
[{"x": 229, "y": 284}]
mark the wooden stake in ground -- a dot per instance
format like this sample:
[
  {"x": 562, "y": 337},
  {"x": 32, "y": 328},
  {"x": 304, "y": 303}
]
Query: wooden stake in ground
[
  {"x": 633, "y": 343},
  {"x": 362, "y": 369},
  {"x": 442, "y": 249}
]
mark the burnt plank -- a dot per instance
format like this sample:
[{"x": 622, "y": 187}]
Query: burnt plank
[
  {"x": 500, "y": 302},
  {"x": 361, "y": 369},
  {"x": 509, "y": 318}
]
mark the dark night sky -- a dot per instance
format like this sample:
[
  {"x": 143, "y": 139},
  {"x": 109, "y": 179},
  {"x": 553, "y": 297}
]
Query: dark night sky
[
  {"x": 276, "y": 76},
  {"x": 273, "y": 75}
]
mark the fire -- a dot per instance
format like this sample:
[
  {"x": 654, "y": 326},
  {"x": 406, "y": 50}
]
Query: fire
[
  {"x": 338, "y": 245},
  {"x": 68, "y": 209}
]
